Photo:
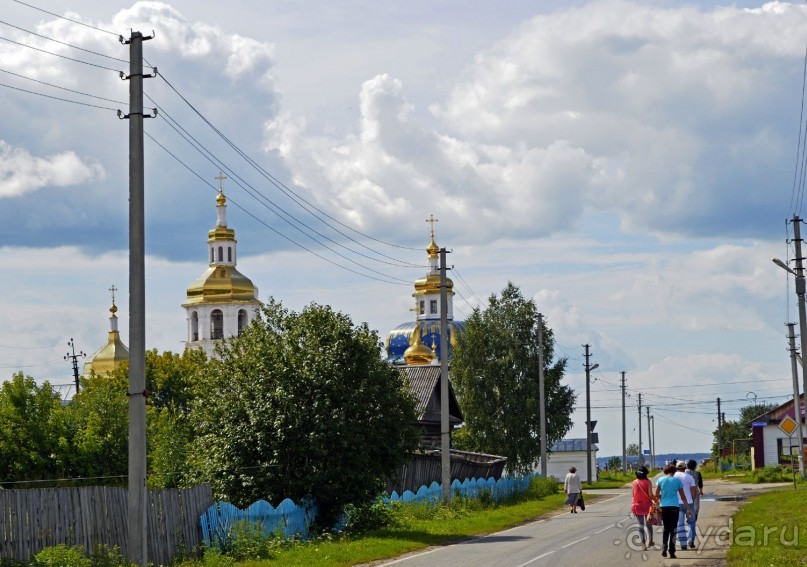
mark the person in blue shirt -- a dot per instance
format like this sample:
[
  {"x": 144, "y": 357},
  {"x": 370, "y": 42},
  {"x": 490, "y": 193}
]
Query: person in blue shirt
[{"x": 668, "y": 489}]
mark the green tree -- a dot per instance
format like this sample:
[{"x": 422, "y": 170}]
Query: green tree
[
  {"x": 495, "y": 375},
  {"x": 302, "y": 405},
  {"x": 98, "y": 426},
  {"x": 632, "y": 449},
  {"x": 33, "y": 430},
  {"x": 613, "y": 463},
  {"x": 736, "y": 434}
]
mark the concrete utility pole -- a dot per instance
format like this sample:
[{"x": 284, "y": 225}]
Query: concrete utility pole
[
  {"x": 624, "y": 430},
  {"x": 719, "y": 433},
  {"x": 794, "y": 367},
  {"x": 652, "y": 434},
  {"x": 138, "y": 495},
  {"x": 589, "y": 368},
  {"x": 74, "y": 358},
  {"x": 649, "y": 442},
  {"x": 640, "y": 429},
  {"x": 445, "y": 437},
  {"x": 800, "y": 291},
  {"x": 542, "y": 393}
]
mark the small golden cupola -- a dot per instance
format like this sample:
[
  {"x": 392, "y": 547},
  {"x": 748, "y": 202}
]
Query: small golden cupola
[
  {"x": 114, "y": 352},
  {"x": 418, "y": 353},
  {"x": 222, "y": 301}
]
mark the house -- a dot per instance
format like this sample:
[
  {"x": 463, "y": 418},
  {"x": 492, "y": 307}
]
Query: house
[
  {"x": 424, "y": 385},
  {"x": 771, "y": 445},
  {"x": 568, "y": 453}
]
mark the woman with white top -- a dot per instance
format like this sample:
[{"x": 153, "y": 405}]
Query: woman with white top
[{"x": 573, "y": 489}]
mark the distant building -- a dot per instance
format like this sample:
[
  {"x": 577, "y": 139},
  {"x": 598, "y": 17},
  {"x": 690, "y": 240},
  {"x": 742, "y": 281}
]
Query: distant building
[
  {"x": 113, "y": 353},
  {"x": 771, "y": 446},
  {"x": 222, "y": 301},
  {"x": 568, "y": 453}
]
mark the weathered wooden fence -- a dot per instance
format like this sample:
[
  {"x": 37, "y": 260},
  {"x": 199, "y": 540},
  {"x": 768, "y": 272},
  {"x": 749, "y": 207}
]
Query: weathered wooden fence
[
  {"x": 222, "y": 521},
  {"x": 33, "y": 519},
  {"x": 425, "y": 468}
]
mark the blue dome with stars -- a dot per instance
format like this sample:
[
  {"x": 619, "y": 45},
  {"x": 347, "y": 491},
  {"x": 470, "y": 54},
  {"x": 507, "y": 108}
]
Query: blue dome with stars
[{"x": 401, "y": 338}]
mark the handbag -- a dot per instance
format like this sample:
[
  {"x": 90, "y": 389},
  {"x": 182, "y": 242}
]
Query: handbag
[
  {"x": 654, "y": 517},
  {"x": 580, "y": 502}
]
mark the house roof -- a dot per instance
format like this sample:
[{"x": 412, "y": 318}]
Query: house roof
[
  {"x": 424, "y": 384},
  {"x": 777, "y": 413},
  {"x": 567, "y": 445}
]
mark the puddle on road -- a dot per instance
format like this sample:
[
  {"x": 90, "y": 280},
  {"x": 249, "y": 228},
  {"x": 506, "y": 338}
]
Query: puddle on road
[{"x": 726, "y": 498}]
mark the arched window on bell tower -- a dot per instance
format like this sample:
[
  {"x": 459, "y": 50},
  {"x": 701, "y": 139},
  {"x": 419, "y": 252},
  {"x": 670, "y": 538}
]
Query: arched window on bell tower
[
  {"x": 195, "y": 326},
  {"x": 243, "y": 320},
  {"x": 216, "y": 324}
]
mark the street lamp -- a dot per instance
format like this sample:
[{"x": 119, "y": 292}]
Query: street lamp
[
  {"x": 588, "y": 415},
  {"x": 800, "y": 286}
]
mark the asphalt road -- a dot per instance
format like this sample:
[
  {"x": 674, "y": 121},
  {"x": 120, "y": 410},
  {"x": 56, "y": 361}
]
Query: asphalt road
[{"x": 604, "y": 535}]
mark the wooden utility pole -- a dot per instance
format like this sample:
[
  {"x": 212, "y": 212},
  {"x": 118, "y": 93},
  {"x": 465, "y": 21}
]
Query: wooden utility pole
[
  {"x": 542, "y": 393},
  {"x": 624, "y": 430}
]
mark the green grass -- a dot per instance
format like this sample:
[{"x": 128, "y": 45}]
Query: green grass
[
  {"x": 757, "y": 476},
  {"x": 784, "y": 515},
  {"x": 415, "y": 528}
]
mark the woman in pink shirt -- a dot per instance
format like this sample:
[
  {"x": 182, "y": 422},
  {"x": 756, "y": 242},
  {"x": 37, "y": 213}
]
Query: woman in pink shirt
[{"x": 642, "y": 500}]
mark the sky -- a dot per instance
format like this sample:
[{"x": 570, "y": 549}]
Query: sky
[{"x": 629, "y": 165}]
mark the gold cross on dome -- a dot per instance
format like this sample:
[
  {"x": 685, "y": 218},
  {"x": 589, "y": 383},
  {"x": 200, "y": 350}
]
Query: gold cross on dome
[
  {"x": 431, "y": 220},
  {"x": 221, "y": 177},
  {"x": 113, "y": 289}
]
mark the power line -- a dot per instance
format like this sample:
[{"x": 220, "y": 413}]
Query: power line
[
  {"x": 64, "y": 43},
  {"x": 282, "y": 187},
  {"x": 59, "y": 98},
  {"x": 62, "y": 88},
  {"x": 321, "y": 257},
  {"x": 68, "y": 19},
  {"x": 258, "y": 196},
  {"x": 60, "y": 55}
]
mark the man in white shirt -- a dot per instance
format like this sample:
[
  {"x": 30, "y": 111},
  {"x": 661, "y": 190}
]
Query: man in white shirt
[{"x": 690, "y": 488}]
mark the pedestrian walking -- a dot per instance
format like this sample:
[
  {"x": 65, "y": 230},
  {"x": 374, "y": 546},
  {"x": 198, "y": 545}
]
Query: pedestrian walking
[
  {"x": 686, "y": 521},
  {"x": 692, "y": 465},
  {"x": 642, "y": 501},
  {"x": 573, "y": 489},
  {"x": 668, "y": 490}
]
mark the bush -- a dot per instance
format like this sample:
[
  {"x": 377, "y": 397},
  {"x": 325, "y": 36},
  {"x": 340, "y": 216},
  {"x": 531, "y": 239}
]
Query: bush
[
  {"x": 368, "y": 517},
  {"x": 61, "y": 556},
  {"x": 248, "y": 540},
  {"x": 542, "y": 487}
]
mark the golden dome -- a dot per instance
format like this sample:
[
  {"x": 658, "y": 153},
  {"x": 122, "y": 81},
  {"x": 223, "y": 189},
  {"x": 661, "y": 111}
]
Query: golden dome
[
  {"x": 431, "y": 284},
  {"x": 221, "y": 284},
  {"x": 432, "y": 248},
  {"x": 418, "y": 353},
  {"x": 221, "y": 199},
  {"x": 109, "y": 357},
  {"x": 221, "y": 233}
]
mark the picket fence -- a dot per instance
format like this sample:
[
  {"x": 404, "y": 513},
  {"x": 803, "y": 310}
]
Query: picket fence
[
  {"x": 221, "y": 522},
  {"x": 33, "y": 519}
]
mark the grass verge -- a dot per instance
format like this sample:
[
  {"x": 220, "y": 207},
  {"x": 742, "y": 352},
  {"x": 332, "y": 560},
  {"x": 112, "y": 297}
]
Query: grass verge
[{"x": 770, "y": 529}]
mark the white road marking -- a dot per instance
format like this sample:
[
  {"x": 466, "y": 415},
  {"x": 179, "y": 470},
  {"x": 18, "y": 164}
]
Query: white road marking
[
  {"x": 604, "y": 529},
  {"x": 574, "y": 542},
  {"x": 536, "y": 558}
]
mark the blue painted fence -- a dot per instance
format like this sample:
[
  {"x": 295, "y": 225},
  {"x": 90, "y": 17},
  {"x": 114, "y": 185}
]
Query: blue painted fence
[{"x": 220, "y": 521}]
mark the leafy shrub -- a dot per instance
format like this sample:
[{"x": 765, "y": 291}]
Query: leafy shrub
[
  {"x": 373, "y": 516},
  {"x": 542, "y": 487},
  {"x": 104, "y": 556},
  {"x": 215, "y": 558},
  {"x": 61, "y": 556},
  {"x": 247, "y": 540}
]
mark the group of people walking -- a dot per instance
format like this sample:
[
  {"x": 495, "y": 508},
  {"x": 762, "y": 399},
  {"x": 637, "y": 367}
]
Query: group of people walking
[{"x": 678, "y": 494}]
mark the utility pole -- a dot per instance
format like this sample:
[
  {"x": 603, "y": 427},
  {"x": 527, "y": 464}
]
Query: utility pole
[
  {"x": 445, "y": 437},
  {"x": 542, "y": 393},
  {"x": 589, "y": 368},
  {"x": 640, "y": 429},
  {"x": 795, "y": 373},
  {"x": 649, "y": 442},
  {"x": 652, "y": 434},
  {"x": 719, "y": 433},
  {"x": 800, "y": 291},
  {"x": 138, "y": 495},
  {"x": 74, "y": 358},
  {"x": 624, "y": 430}
]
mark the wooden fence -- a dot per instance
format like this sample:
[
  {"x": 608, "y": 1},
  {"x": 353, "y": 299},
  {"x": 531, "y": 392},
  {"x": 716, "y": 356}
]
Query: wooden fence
[
  {"x": 425, "y": 468},
  {"x": 33, "y": 519}
]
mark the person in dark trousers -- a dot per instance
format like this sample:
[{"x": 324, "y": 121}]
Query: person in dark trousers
[
  {"x": 696, "y": 505},
  {"x": 642, "y": 500},
  {"x": 668, "y": 490}
]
